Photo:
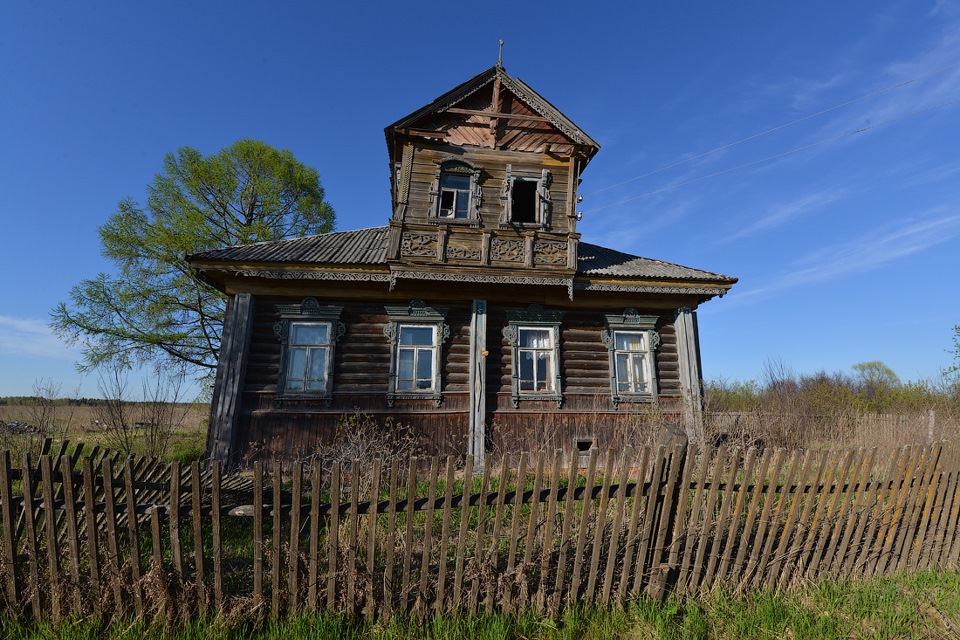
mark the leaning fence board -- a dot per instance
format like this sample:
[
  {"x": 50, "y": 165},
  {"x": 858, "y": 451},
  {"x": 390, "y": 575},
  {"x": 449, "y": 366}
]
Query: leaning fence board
[
  {"x": 478, "y": 538},
  {"x": 636, "y": 510},
  {"x": 582, "y": 535},
  {"x": 457, "y": 594},
  {"x": 545, "y": 556},
  {"x": 444, "y": 535},
  {"x": 565, "y": 538},
  {"x": 622, "y": 476},
  {"x": 597, "y": 543}
]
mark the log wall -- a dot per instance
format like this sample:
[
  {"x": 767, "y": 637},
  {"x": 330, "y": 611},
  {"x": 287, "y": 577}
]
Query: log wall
[{"x": 271, "y": 424}]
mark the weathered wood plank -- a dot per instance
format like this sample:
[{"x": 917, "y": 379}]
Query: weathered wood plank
[
  {"x": 50, "y": 535},
  {"x": 73, "y": 535},
  {"x": 199, "y": 572},
  {"x": 215, "y": 482},
  {"x": 7, "y": 520},
  {"x": 258, "y": 543},
  {"x": 582, "y": 530},
  {"x": 293, "y": 557},
  {"x": 91, "y": 537},
  {"x": 136, "y": 568}
]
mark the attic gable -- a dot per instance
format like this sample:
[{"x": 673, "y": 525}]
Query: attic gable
[{"x": 494, "y": 110}]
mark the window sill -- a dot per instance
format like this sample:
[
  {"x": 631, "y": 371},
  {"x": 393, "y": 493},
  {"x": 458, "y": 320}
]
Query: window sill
[
  {"x": 526, "y": 396},
  {"x": 456, "y": 222},
  {"x": 426, "y": 395}
]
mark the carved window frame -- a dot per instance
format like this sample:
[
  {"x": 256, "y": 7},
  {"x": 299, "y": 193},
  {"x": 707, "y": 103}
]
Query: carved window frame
[
  {"x": 308, "y": 312},
  {"x": 534, "y": 317},
  {"x": 543, "y": 204},
  {"x": 630, "y": 321},
  {"x": 416, "y": 314},
  {"x": 461, "y": 168}
]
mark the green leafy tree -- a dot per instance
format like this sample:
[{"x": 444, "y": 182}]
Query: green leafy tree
[
  {"x": 153, "y": 307},
  {"x": 954, "y": 369}
]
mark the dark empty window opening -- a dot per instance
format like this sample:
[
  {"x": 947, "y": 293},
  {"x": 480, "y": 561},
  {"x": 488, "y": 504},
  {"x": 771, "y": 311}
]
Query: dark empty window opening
[{"x": 523, "y": 201}]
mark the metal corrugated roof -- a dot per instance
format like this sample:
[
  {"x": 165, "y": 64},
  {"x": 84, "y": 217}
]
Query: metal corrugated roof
[
  {"x": 594, "y": 260},
  {"x": 369, "y": 247},
  {"x": 363, "y": 246}
]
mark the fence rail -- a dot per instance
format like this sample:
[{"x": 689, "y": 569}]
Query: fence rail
[{"x": 96, "y": 533}]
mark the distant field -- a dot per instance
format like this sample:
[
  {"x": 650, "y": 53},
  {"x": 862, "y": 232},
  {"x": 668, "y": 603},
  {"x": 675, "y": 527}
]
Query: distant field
[{"x": 23, "y": 425}]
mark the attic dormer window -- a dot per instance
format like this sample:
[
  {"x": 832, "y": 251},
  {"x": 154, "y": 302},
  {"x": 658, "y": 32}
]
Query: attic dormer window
[
  {"x": 455, "y": 194},
  {"x": 526, "y": 199}
]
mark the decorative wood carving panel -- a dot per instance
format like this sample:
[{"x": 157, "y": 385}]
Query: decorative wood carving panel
[
  {"x": 418, "y": 245},
  {"x": 550, "y": 252},
  {"x": 506, "y": 250}
]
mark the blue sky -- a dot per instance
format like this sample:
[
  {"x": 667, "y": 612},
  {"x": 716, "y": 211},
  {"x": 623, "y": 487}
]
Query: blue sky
[{"x": 846, "y": 251}]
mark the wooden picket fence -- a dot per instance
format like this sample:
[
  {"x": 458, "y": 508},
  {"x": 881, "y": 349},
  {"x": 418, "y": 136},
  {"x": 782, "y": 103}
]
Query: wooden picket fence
[{"x": 82, "y": 534}]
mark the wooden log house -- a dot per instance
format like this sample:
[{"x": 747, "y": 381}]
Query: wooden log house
[{"x": 477, "y": 315}]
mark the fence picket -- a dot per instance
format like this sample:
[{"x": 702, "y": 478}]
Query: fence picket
[
  {"x": 110, "y": 517},
  {"x": 601, "y": 521},
  {"x": 313, "y": 562},
  {"x": 575, "y": 579},
  {"x": 621, "y": 495},
  {"x": 91, "y": 537},
  {"x": 372, "y": 519},
  {"x": 353, "y": 524},
  {"x": 478, "y": 539},
  {"x": 565, "y": 541},
  {"x": 408, "y": 534},
  {"x": 7, "y": 511},
  {"x": 293, "y": 557},
  {"x": 438, "y": 603},
  {"x": 333, "y": 536},
  {"x": 176, "y": 552},
  {"x": 50, "y": 531},
  {"x": 428, "y": 533},
  {"x": 637, "y": 508},
  {"x": 258, "y": 534},
  {"x": 196, "y": 485},
  {"x": 215, "y": 523},
  {"x": 493, "y": 556},
  {"x": 391, "y": 528},
  {"x": 462, "y": 537},
  {"x": 73, "y": 535}
]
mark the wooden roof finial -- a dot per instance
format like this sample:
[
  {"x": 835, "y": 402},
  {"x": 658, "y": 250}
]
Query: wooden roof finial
[{"x": 500, "y": 55}]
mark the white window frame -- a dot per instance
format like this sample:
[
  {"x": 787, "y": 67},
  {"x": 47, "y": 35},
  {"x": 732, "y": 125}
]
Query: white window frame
[
  {"x": 631, "y": 322},
  {"x": 474, "y": 193},
  {"x": 535, "y": 318},
  {"x": 415, "y": 315},
  {"x": 310, "y": 349},
  {"x": 307, "y": 313},
  {"x": 458, "y": 195},
  {"x": 418, "y": 351}
]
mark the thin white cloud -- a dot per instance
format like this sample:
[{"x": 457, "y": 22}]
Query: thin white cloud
[
  {"x": 862, "y": 254},
  {"x": 784, "y": 213},
  {"x": 31, "y": 337}
]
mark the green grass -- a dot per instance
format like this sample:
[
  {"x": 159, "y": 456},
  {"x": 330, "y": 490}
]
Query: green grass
[{"x": 919, "y": 606}]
